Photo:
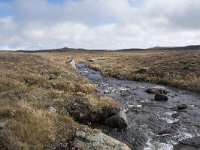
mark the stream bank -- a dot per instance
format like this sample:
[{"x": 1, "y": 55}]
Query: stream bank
[{"x": 152, "y": 125}]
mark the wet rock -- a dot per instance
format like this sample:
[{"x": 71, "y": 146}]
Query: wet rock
[
  {"x": 160, "y": 97},
  {"x": 97, "y": 141},
  {"x": 157, "y": 90},
  {"x": 188, "y": 144},
  {"x": 181, "y": 106},
  {"x": 118, "y": 121}
]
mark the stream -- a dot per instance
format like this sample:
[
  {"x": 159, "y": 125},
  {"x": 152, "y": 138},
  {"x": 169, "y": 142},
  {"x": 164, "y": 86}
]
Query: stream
[{"x": 152, "y": 125}]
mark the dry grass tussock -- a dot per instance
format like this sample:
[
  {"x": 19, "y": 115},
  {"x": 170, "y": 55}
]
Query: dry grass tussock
[{"x": 30, "y": 85}]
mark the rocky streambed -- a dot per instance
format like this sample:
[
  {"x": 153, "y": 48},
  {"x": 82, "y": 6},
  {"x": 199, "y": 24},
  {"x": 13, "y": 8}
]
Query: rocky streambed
[{"x": 165, "y": 124}]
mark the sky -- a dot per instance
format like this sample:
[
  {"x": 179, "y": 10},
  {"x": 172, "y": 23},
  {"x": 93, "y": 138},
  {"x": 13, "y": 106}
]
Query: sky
[{"x": 98, "y": 24}]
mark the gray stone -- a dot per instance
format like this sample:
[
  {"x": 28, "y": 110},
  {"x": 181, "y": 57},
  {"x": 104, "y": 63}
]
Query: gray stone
[
  {"x": 72, "y": 63},
  {"x": 119, "y": 121},
  {"x": 157, "y": 90},
  {"x": 180, "y": 107},
  {"x": 3, "y": 123},
  {"x": 51, "y": 109},
  {"x": 97, "y": 140}
]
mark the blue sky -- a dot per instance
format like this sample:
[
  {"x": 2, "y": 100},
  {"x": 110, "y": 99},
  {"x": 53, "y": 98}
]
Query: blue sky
[
  {"x": 6, "y": 9},
  {"x": 98, "y": 24}
]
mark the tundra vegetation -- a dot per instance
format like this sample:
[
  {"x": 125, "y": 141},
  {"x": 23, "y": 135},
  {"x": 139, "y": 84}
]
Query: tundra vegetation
[
  {"x": 44, "y": 102},
  {"x": 179, "y": 69}
]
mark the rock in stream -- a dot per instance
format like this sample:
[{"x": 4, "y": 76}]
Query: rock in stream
[{"x": 97, "y": 141}]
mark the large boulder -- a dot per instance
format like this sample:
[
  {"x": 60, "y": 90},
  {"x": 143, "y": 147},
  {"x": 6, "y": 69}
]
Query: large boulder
[
  {"x": 188, "y": 144},
  {"x": 96, "y": 140},
  {"x": 118, "y": 121},
  {"x": 160, "y": 97},
  {"x": 157, "y": 90}
]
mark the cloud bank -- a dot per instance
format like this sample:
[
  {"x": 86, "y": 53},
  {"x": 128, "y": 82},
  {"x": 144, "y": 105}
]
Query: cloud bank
[{"x": 99, "y": 24}]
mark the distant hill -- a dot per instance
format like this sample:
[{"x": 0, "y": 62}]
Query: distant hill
[
  {"x": 190, "y": 47},
  {"x": 66, "y": 49}
]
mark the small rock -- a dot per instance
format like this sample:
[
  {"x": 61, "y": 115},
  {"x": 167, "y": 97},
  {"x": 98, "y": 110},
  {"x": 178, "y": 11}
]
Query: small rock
[
  {"x": 97, "y": 141},
  {"x": 137, "y": 108},
  {"x": 3, "y": 123},
  {"x": 51, "y": 110},
  {"x": 157, "y": 90},
  {"x": 181, "y": 106},
  {"x": 118, "y": 121},
  {"x": 160, "y": 97}
]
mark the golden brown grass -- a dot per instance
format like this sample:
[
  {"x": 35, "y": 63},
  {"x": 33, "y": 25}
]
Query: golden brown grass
[
  {"x": 29, "y": 85},
  {"x": 32, "y": 83},
  {"x": 174, "y": 68}
]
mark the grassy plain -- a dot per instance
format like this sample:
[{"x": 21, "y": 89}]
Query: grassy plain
[
  {"x": 43, "y": 102},
  {"x": 179, "y": 69},
  {"x": 173, "y": 68}
]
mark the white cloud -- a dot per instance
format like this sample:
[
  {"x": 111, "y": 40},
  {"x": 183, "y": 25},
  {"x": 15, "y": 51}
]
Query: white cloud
[{"x": 110, "y": 24}]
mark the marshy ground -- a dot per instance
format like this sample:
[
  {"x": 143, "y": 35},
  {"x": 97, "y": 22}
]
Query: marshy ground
[{"x": 38, "y": 90}]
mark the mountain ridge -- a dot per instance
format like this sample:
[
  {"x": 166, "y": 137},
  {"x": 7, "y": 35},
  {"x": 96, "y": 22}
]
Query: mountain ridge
[{"x": 66, "y": 49}]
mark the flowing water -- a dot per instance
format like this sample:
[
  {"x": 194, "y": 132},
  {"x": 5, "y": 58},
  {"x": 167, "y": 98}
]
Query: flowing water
[{"x": 152, "y": 125}]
